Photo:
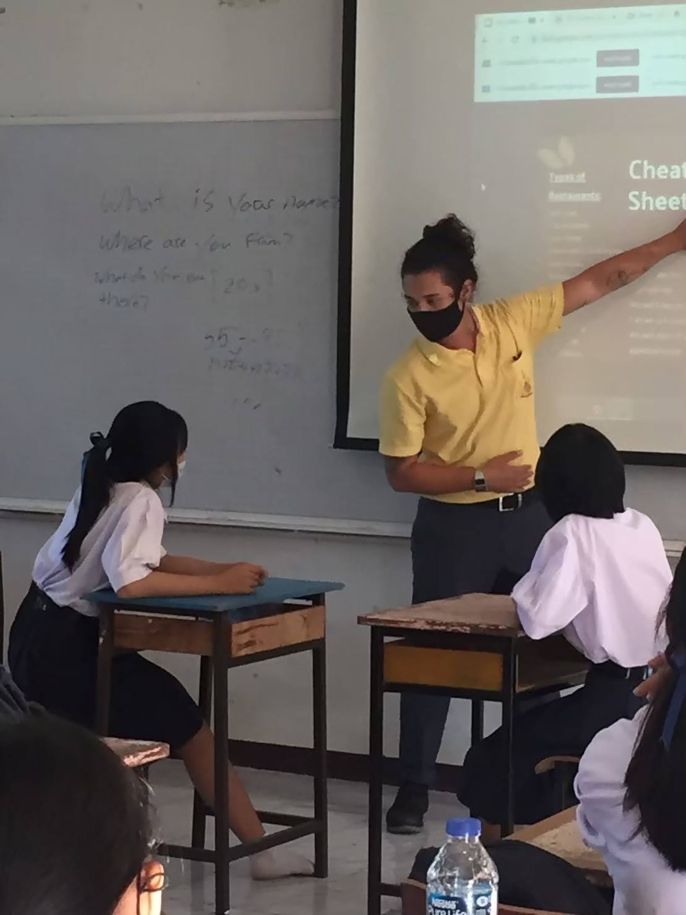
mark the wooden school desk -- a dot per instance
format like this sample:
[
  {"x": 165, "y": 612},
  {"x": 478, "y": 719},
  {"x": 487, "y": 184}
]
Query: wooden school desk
[
  {"x": 469, "y": 647},
  {"x": 283, "y": 617}
]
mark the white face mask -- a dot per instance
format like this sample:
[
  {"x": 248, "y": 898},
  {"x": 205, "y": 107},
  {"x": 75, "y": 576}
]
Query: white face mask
[{"x": 180, "y": 470}]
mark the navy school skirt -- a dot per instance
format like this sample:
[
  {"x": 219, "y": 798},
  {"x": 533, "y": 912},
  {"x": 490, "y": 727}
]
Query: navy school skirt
[{"x": 53, "y": 653}]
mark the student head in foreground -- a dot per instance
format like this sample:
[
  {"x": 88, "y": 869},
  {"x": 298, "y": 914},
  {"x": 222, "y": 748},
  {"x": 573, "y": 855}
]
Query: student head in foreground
[
  {"x": 632, "y": 786},
  {"x": 600, "y": 578},
  {"x": 75, "y": 828}
]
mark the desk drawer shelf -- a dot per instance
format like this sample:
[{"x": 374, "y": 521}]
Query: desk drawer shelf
[
  {"x": 143, "y": 632},
  {"x": 540, "y": 666}
]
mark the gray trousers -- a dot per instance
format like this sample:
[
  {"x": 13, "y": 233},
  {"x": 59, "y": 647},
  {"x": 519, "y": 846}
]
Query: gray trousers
[{"x": 460, "y": 549}]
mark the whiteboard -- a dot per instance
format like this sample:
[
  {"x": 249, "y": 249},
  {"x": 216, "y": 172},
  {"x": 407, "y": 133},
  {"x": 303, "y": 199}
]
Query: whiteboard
[{"x": 195, "y": 264}]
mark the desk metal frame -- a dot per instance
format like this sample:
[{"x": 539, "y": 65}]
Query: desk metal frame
[{"x": 214, "y": 678}]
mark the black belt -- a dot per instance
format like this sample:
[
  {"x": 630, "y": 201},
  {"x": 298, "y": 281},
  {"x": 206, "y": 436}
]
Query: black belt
[
  {"x": 617, "y": 672},
  {"x": 512, "y": 502}
]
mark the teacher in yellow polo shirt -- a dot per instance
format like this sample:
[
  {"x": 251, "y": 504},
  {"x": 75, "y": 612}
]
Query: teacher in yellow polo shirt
[{"x": 458, "y": 428}]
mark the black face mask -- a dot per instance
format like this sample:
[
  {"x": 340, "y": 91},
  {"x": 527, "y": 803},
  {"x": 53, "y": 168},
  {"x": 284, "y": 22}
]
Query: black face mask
[{"x": 437, "y": 325}]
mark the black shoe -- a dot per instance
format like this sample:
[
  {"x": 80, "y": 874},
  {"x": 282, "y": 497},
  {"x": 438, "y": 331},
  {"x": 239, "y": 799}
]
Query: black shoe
[{"x": 406, "y": 815}]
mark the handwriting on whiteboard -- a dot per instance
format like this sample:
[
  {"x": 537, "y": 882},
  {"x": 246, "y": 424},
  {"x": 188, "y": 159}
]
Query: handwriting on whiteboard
[
  {"x": 127, "y": 200},
  {"x": 233, "y": 255},
  {"x": 206, "y": 228}
]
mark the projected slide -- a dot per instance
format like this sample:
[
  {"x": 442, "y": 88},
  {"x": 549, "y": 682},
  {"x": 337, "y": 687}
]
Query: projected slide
[
  {"x": 559, "y": 136},
  {"x": 626, "y": 51}
]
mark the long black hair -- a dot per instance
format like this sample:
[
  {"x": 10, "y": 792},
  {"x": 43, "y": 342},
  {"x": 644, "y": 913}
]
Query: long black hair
[
  {"x": 580, "y": 472},
  {"x": 144, "y": 437},
  {"x": 656, "y": 776},
  {"x": 447, "y": 247},
  {"x": 75, "y": 826}
]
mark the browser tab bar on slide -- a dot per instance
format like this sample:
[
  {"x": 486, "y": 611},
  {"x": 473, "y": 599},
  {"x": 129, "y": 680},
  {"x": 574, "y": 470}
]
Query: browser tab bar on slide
[{"x": 557, "y": 56}]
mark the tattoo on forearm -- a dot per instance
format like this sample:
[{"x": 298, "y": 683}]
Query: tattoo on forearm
[
  {"x": 617, "y": 279},
  {"x": 622, "y": 277}
]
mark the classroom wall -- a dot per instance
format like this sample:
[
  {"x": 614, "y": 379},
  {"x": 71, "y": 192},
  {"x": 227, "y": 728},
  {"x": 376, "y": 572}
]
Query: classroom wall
[{"x": 115, "y": 57}]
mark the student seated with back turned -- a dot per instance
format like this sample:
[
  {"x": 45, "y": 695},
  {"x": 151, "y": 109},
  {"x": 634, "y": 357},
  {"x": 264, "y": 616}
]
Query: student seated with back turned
[
  {"x": 75, "y": 830},
  {"x": 112, "y": 535},
  {"x": 600, "y": 577},
  {"x": 632, "y": 786}
]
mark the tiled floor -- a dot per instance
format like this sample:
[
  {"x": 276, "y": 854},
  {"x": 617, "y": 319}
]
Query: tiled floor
[{"x": 344, "y": 893}]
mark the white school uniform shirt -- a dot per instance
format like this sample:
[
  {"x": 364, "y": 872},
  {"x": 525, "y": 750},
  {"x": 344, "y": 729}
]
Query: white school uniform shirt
[
  {"x": 601, "y": 582},
  {"x": 124, "y": 545},
  {"x": 644, "y": 882}
]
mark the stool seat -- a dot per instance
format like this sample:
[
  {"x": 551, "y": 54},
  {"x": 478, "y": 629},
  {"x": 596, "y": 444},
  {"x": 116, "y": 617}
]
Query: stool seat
[
  {"x": 137, "y": 754},
  {"x": 553, "y": 762}
]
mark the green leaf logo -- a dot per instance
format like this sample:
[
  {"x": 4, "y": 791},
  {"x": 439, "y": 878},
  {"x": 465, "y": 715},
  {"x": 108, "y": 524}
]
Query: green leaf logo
[{"x": 557, "y": 159}]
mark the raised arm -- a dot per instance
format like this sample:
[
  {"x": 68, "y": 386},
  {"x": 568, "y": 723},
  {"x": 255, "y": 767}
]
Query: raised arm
[{"x": 619, "y": 271}]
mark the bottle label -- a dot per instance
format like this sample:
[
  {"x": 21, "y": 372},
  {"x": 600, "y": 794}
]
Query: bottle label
[
  {"x": 441, "y": 905},
  {"x": 484, "y": 902}
]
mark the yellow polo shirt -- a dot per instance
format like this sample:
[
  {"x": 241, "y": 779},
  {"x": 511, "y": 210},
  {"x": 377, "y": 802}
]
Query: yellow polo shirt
[{"x": 464, "y": 408}]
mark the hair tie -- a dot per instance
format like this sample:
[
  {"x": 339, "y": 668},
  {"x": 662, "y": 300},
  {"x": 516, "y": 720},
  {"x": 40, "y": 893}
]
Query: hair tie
[
  {"x": 99, "y": 442},
  {"x": 677, "y": 661}
]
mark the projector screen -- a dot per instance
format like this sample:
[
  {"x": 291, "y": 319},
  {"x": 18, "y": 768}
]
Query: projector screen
[{"x": 559, "y": 136}]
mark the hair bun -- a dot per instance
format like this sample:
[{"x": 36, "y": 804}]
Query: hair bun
[{"x": 451, "y": 230}]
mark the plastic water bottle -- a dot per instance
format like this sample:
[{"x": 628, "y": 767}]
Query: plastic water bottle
[{"x": 463, "y": 879}]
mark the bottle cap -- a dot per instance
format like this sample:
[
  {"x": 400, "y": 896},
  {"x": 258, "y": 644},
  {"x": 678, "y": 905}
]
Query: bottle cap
[{"x": 466, "y": 828}]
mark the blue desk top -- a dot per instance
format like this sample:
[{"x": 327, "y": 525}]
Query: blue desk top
[{"x": 273, "y": 591}]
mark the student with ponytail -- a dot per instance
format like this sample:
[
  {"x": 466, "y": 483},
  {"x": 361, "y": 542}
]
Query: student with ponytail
[
  {"x": 632, "y": 784},
  {"x": 458, "y": 428},
  {"x": 112, "y": 535}
]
